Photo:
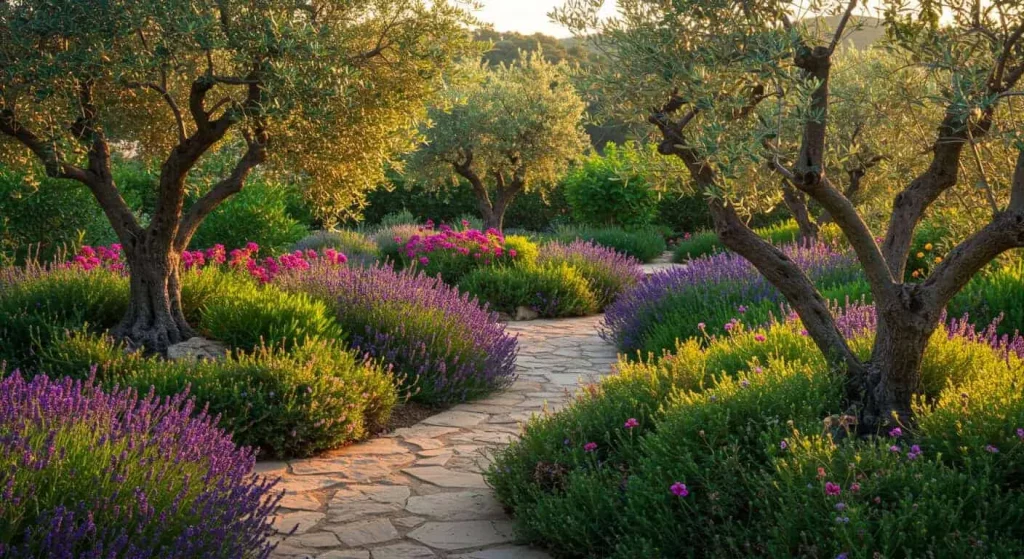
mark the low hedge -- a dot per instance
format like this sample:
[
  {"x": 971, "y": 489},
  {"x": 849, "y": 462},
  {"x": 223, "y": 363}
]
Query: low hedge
[
  {"x": 644, "y": 244},
  {"x": 552, "y": 290},
  {"x": 284, "y": 403}
]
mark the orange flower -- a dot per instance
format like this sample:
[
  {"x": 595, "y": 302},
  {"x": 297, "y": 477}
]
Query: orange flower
[
  {"x": 928, "y": 246},
  {"x": 938, "y": 259},
  {"x": 920, "y": 255},
  {"x": 916, "y": 273}
]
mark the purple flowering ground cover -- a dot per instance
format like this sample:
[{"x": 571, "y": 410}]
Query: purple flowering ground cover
[
  {"x": 88, "y": 474},
  {"x": 445, "y": 345}
]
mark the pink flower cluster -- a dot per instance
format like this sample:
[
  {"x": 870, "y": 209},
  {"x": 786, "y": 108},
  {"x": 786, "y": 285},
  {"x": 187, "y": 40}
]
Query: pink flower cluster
[
  {"x": 89, "y": 258},
  {"x": 482, "y": 245},
  {"x": 265, "y": 270}
]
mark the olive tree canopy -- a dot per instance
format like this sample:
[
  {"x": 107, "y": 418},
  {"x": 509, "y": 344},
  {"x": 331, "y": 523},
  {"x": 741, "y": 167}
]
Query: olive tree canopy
[{"x": 326, "y": 90}]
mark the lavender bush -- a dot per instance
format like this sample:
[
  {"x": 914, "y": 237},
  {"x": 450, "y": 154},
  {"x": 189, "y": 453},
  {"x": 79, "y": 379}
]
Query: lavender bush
[
  {"x": 710, "y": 292},
  {"x": 609, "y": 273},
  {"x": 86, "y": 474},
  {"x": 447, "y": 346}
]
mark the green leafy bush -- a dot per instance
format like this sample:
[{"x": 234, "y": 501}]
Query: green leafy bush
[
  {"x": 994, "y": 295},
  {"x": 42, "y": 217},
  {"x": 611, "y": 190},
  {"x": 684, "y": 213},
  {"x": 553, "y": 290},
  {"x": 287, "y": 404},
  {"x": 36, "y": 304},
  {"x": 696, "y": 245},
  {"x": 259, "y": 214},
  {"x": 247, "y": 316},
  {"x": 734, "y": 446},
  {"x": 643, "y": 244}
]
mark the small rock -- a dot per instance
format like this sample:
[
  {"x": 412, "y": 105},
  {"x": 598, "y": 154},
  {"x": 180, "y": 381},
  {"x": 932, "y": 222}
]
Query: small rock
[
  {"x": 197, "y": 349},
  {"x": 526, "y": 313}
]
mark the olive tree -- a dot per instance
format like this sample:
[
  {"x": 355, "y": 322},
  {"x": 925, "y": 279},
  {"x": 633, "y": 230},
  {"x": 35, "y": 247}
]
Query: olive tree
[
  {"x": 327, "y": 90},
  {"x": 708, "y": 75},
  {"x": 504, "y": 130}
]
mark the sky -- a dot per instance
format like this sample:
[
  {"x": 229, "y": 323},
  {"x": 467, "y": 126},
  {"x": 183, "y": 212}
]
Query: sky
[{"x": 524, "y": 16}]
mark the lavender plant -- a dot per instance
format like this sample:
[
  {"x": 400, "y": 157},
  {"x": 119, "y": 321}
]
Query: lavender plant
[
  {"x": 608, "y": 272},
  {"x": 88, "y": 474},
  {"x": 711, "y": 291},
  {"x": 447, "y": 346}
]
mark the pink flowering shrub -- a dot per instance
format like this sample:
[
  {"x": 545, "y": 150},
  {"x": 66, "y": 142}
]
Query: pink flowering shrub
[
  {"x": 735, "y": 443},
  {"x": 453, "y": 253}
]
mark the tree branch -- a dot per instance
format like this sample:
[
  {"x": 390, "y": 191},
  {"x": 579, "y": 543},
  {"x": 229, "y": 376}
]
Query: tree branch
[
  {"x": 169, "y": 99},
  {"x": 841, "y": 28},
  {"x": 255, "y": 154}
]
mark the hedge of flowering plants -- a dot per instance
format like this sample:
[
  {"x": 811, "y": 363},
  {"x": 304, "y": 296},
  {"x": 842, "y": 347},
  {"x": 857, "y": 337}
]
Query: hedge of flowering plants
[
  {"x": 608, "y": 272},
  {"x": 444, "y": 345},
  {"x": 85, "y": 473},
  {"x": 713, "y": 293},
  {"x": 740, "y": 448},
  {"x": 453, "y": 253}
]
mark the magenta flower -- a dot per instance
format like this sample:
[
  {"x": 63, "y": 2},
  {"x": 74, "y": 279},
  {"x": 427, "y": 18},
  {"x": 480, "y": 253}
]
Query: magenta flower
[
  {"x": 701, "y": 325},
  {"x": 679, "y": 489},
  {"x": 760, "y": 338},
  {"x": 631, "y": 423},
  {"x": 894, "y": 448},
  {"x": 729, "y": 326},
  {"x": 896, "y": 432},
  {"x": 1020, "y": 433},
  {"x": 742, "y": 309},
  {"x": 832, "y": 489},
  {"x": 590, "y": 447},
  {"x": 854, "y": 488},
  {"x": 424, "y": 260},
  {"x": 783, "y": 445},
  {"x": 991, "y": 449}
]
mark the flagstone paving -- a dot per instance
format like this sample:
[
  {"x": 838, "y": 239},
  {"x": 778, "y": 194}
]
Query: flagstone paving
[{"x": 418, "y": 492}]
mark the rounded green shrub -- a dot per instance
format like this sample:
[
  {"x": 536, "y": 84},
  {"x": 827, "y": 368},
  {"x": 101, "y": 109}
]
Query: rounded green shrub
[
  {"x": 610, "y": 190},
  {"x": 285, "y": 403},
  {"x": 37, "y": 303},
  {"x": 247, "y": 316},
  {"x": 553, "y": 290},
  {"x": 259, "y": 214}
]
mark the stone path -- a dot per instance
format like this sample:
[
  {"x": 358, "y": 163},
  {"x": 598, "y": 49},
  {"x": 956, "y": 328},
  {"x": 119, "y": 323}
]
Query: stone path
[
  {"x": 418, "y": 493},
  {"x": 663, "y": 262}
]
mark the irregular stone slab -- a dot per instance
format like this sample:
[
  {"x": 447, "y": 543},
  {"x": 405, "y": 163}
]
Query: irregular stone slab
[
  {"x": 380, "y": 493},
  {"x": 424, "y": 443},
  {"x": 438, "y": 460},
  {"x": 355, "y": 534},
  {"x": 425, "y": 431},
  {"x": 372, "y": 447},
  {"x": 409, "y": 521},
  {"x": 302, "y": 484},
  {"x": 316, "y": 540},
  {"x": 270, "y": 468},
  {"x": 443, "y": 477},
  {"x": 514, "y": 552},
  {"x": 301, "y": 521},
  {"x": 345, "y": 554},
  {"x": 358, "y": 509},
  {"x": 456, "y": 419},
  {"x": 402, "y": 550},
  {"x": 299, "y": 501},
  {"x": 358, "y": 469},
  {"x": 466, "y": 505},
  {"x": 463, "y": 535}
]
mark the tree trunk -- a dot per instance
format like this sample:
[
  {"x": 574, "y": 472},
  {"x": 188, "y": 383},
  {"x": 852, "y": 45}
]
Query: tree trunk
[
  {"x": 154, "y": 320},
  {"x": 894, "y": 372}
]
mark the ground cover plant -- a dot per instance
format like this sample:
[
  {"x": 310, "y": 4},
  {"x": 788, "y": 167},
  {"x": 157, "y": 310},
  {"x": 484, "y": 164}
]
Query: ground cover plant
[
  {"x": 122, "y": 474},
  {"x": 742, "y": 448},
  {"x": 607, "y": 272}
]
